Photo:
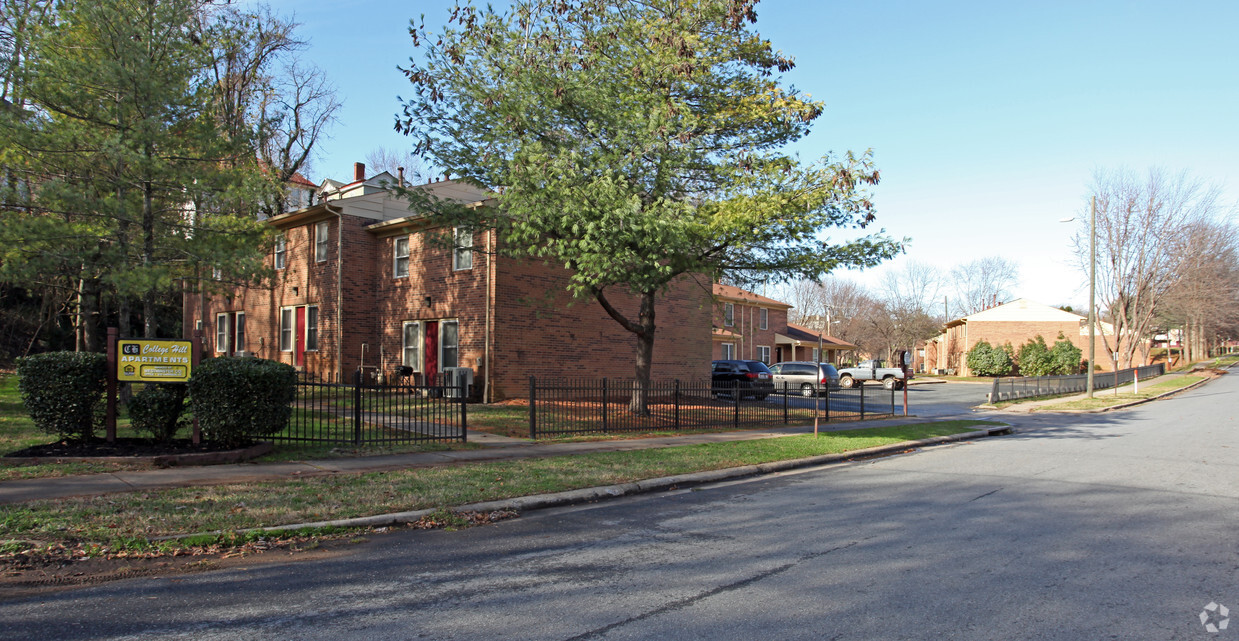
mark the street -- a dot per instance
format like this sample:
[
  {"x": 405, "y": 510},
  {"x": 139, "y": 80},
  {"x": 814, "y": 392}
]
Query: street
[{"x": 1116, "y": 525}]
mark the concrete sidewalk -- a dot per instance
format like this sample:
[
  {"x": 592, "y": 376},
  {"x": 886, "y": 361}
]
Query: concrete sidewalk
[{"x": 496, "y": 448}]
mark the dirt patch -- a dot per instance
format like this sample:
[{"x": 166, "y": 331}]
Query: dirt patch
[{"x": 121, "y": 447}]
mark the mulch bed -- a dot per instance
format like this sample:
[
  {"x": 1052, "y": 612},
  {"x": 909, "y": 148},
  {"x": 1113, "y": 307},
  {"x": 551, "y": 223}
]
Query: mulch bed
[{"x": 122, "y": 447}]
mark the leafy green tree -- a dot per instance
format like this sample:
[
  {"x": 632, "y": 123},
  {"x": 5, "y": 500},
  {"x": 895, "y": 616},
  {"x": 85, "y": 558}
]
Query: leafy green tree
[
  {"x": 1065, "y": 356},
  {"x": 139, "y": 151},
  {"x": 1034, "y": 358},
  {"x": 635, "y": 143}
]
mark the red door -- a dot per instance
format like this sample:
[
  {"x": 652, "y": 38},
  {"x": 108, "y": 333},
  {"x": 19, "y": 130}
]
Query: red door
[
  {"x": 299, "y": 341},
  {"x": 431, "y": 349}
]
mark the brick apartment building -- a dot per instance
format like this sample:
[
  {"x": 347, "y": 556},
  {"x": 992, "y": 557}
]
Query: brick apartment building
[
  {"x": 749, "y": 326},
  {"x": 408, "y": 300},
  {"x": 1016, "y": 322}
]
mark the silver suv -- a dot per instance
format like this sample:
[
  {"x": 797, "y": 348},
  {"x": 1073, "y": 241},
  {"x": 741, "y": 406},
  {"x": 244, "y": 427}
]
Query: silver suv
[{"x": 804, "y": 376}]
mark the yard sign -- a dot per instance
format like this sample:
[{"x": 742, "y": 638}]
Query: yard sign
[{"x": 144, "y": 360}]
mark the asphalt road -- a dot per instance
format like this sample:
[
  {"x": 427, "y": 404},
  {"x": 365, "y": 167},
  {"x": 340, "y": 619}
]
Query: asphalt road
[
  {"x": 933, "y": 400},
  {"x": 1117, "y": 525}
]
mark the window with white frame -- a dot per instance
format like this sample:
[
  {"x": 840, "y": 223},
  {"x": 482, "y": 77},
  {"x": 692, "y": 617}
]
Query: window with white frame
[
  {"x": 400, "y": 257},
  {"x": 816, "y": 355},
  {"x": 311, "y": 328},
  {"x": 462, "y": 254},
  {"x": 449, "y": 344},
  {"x": 222, "y": 325},
  {"x": 412, "y": 345},
  {"x": 320, "y": 242},
  {"x": 281, "y": 251},
  {"x": 287, "y": 329},
  {"x": 728, "y": 352},
  {"x": 729, "y": 314},
  {"x": 238, "y": 328},
  {"x": 765, "y": 319},
  {"x": 763, "y": 353}
]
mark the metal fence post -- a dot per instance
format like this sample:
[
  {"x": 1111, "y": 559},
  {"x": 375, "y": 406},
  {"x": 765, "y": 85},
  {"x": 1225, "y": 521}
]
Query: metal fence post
[
  {"x": 604, "y": 403},
  {"x": 816, "y": 390},
  {"x": 464, "y": 413},
  {"x": 735, "y": 396},
  {"x": 862, "y": 401},
  {"x": 785, "y": 402},
  {"x": 676, "y": 403},
  {"x": 533, "y": 409},
  {"x": 357, "y": 407},
  {"x": 893, "y": 401}
]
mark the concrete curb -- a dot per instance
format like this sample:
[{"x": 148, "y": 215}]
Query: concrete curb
[{"x": 586, "y": 495}]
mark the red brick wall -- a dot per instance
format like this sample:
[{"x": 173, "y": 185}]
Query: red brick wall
[
  {"x": 962, "y": 338},
  {"x": 750, "y": 334}
]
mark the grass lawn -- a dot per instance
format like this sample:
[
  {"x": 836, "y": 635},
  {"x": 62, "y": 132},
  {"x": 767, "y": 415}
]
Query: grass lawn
[
  {"x": 107, "y": 524},
  {"x": 1107, "y": 398}
]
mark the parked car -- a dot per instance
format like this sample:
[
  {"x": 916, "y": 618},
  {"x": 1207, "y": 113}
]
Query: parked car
[
  {"x": 804, "y": 377},
  {"x": 747, "y": 378},
  {"x": 871, "y": 370}
]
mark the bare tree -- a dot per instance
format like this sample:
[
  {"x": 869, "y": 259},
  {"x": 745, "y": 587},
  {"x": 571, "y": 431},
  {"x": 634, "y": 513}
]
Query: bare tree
[
  {"x": 1204, "y": 302},
  {"x": 983, "y": 283},
  {"x": 390, "y": 160},
  {"x": 1139, "y": 262}
]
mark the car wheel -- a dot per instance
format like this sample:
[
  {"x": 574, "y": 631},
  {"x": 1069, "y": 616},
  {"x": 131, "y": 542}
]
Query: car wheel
[
  {"x": 847, "y": 382},
  {"x": 889, "y": 383},
  {"x": 806, "y": 390}
]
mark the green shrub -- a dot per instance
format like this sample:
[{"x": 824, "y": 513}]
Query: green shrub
[
  {"x": 62, "y": 391},
  {"x": 237, "y": 400},
  {"x": 1034, "y": 358},
  {"x": 986, "y": 360},
  {"x": 1065, "y": 356},
  {"x": 157, "y": 409}
]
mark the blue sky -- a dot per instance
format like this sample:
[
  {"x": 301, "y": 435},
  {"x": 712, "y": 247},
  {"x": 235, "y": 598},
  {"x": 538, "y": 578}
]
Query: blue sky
[{"x": 987, "y": 119}]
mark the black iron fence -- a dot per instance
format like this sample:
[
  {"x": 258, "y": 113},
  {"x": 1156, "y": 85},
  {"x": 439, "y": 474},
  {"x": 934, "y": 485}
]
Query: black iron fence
[
  {"x": 562, "y": 407},
  {"x": 1016, "y": 387},
  {"x": 368, "y": 413}
]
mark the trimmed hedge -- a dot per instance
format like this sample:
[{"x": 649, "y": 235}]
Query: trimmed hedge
[
  {"x": 157, "y": 409},
  {"x": 238, "y": 400},
  {"x": 62, "y": 392}
]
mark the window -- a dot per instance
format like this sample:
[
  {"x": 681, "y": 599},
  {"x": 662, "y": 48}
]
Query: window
[
  {"x": 729, "y": 352},
  {"x": 311, "y": 328},
  {"x": 400, "y": 254},
  {"x": 449, "y": 344},
  {"x": 238, "y": 344},
  {"x": 763, "y": 354},
  {"x": 816, "y": 356},
  {"x": 286, "y": 329},
  {"x": 765, "y": 319},
  {"x": 320, "y": 242},
  {"x": 412, "y": 345},
  {"x": 462, "y": 255},
  {"x": 729, "y": 314},
  {"x": 281, "y": 250},
  {"x": 221, "y": 333}
]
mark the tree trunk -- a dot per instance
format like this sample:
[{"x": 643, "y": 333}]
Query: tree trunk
[
  {"x": 149, "y": 318},
  {"x": 639, "y": 404}
]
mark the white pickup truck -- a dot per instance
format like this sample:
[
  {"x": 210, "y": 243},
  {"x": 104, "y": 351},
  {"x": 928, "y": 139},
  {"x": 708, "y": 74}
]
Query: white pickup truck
[{"x": 871, "y": 370}]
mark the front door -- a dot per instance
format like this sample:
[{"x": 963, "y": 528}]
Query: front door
[
  {"x": 299, "y": 341},
  {"x": 431, "y": 351}
]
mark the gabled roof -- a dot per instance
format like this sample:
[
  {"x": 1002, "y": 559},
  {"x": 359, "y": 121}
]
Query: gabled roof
[
  {"x": 804, "y": 334},
  {"x": 735, "y": 294},
  {"x": 298, "y": 179},
  {"x": 1019, "y": 310}
]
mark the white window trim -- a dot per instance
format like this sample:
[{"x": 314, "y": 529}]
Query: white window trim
[
  {"x": 281, "y": 251},
  {"x": 317, "y": 330},
  {"x": 765, "y": 318},
  {"x": 292, "y": 329},
  {"x": 238, "y": 337},
  {"x": 459, "y": 253},
  {"x": 418, "y": 340},
  {"x": 396, "y": 256},
  {"x": 223, "y": 333},
  {"x": 763, "y": 353},
  {"x": 322, "y": 235},
  {"x": 729, "y": 315},
  {"x": 728, "y": 352},
  {"x": 442, "y": 323}
]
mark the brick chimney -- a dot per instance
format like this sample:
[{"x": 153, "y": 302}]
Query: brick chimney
[{"x": 359, "y": 171}]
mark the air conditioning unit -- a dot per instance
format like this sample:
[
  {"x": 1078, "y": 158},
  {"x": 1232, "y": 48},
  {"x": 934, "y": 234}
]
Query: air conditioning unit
[{"x": 457, "y": 378}]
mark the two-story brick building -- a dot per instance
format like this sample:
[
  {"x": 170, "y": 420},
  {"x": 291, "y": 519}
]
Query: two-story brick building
[
  {"x": 363, "y": 282},
  {"x": 750, "y": 326}
]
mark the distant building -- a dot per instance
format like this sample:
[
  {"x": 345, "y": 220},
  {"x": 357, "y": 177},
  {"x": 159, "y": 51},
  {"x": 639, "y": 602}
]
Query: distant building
[{"x": 753, "y": 327}]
